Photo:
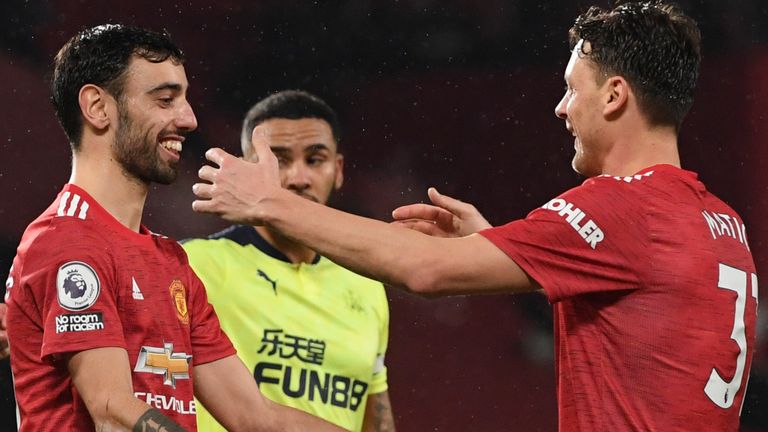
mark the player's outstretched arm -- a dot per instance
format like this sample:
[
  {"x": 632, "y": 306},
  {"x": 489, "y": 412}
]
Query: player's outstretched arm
[
  {"x": 102, "y": 377},
  {"x": 230, "y": 393},
  {"x": 448, "y": 217},
  {"x": 250, "y": 193}
]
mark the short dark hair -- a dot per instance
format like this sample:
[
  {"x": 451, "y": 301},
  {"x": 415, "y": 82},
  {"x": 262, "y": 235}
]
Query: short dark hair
[
  {"x": 288, "y": 104},
  {"x": 654, "y": 46},
  {"x": 100, "y": 56}
]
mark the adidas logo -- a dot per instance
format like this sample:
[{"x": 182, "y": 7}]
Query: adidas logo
[
  {"x": 137, "y": 295},
  {"x": 72, "y": 207}
]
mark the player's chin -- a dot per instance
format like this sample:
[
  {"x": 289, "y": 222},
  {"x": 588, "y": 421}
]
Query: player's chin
[
  {"x": 167, "y": 175},
  {"x": 580, "y": 166}
]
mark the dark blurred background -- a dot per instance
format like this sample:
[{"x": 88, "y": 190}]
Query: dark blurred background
[{"x": 456, "y": 94}]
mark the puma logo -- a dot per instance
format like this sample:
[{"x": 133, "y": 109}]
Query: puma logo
[{"x": 273, "y": 282}]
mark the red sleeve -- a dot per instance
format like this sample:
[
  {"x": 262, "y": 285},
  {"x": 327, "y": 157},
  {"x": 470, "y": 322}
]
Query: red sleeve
[
  {"x": 209, "y": 342},
  {"x": 589, "y": 239},
  {"x": 74, "y": 290}
]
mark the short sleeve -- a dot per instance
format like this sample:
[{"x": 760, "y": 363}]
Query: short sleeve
[
  {"x": 592, "y": 238},
  {"x": 74, "y": 289},
  {"x": 379, "y": 377},
  {"x": 209, "y": 342}
]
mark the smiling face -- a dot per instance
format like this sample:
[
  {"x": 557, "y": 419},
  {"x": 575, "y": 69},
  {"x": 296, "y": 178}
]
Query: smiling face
[
  {"x": 581, "y": 108},
  {"x": 153, "y": 118},
  {"x": 307, "y": 153}
]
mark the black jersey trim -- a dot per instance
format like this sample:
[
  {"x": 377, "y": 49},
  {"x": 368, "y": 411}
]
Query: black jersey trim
[{"x": 245, "y": 235}]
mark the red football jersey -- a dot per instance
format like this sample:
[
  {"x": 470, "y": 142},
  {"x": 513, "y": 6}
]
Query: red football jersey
[
  {"x": 655, "y": 301},
  {"x": 82, "y": 280}
]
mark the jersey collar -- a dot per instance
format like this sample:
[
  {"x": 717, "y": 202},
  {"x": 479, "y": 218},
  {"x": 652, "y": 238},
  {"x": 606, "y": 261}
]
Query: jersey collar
[{"x": 246, "y": 235}]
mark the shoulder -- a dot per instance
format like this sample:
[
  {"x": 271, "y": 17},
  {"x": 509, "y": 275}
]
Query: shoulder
[
  {"x": 608, "y": 195},
  {"x": 222, "y": 253},
  {"x": 237, "y": 234},
  {"x": 62, "y": 256},
  {"x": 214, "y": 243},
  {"x": 605, "y": 185},
  {"x": 368, "y": 287},
  {"x": 63, "y": 236}
]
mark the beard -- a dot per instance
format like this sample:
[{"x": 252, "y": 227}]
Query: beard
[{"x": 137, "y": 153}]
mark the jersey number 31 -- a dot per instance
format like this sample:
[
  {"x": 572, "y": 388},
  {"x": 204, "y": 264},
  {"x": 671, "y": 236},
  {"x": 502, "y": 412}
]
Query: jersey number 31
[{"x": 720, "y": 391}]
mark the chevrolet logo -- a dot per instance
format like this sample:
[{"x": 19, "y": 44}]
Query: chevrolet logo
[{"x": 163, "y": 361}]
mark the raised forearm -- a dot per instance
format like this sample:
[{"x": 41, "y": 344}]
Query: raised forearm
[
  {"x": 250, "y": 193},
  {"x": 391, "y": 254},
  {"x": 378, "y": 414}
]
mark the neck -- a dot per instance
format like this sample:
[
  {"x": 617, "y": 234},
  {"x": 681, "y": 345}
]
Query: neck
[
  {"x": 639, "y": 149},
  {"x": 103, "y": 178},
  {"x": 296, "y": 252}
]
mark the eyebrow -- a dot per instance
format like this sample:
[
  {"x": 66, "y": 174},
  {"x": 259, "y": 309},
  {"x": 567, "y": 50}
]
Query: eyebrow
[
  {"x": 309, "y": 149},
  {"x": 166, "y": 86}
]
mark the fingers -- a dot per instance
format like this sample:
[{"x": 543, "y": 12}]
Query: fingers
[
  {"x": 203, "y": 206},
  {"x": 416, "y": 211},
  {"x": 217, "y": 155},
  {"x": 421, "y": 226},
  {"x": 203, "y": 190},
  {"x": 204, "y": 193},
  {"x": 260, "y": 145},
  {"x": 207, "y": 173},
  {"x": 457, "y": 207}
]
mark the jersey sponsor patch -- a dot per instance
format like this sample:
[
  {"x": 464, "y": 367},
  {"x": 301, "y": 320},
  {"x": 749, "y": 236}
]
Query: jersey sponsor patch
[
  {"x": 298, "y": 382},
  {"x": 589, "y": 231},
  {"x": 66, "y": 323},
  {"x": 276, "y": 342},
  {"x": 167, "y": 403},
  {"x": 77, "y": 286},
  {"x": 163, "y": 361}
]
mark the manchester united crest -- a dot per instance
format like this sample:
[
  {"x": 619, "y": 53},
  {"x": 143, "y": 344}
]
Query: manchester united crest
[{"x": 179, "y": 296}]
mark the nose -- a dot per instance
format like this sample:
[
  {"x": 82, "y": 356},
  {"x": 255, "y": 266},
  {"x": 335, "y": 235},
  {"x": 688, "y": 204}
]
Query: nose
[
  {"x": 560, "y": 107},
  {"x": 296, "y": 177},
  {"x": 186, "y": 119}
]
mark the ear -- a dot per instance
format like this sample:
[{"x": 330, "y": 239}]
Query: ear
[
  {"x": 616, "y": 95},
  {"x": 93, "y": 102},
  {"x": 339, "y": 172}
]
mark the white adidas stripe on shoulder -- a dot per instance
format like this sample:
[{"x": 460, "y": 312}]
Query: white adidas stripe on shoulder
[
  {"x": 628, "y": 179},
  {"x": 72, "y": 203}
]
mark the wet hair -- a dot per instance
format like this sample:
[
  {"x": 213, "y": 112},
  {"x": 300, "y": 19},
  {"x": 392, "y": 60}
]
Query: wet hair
[
  {"x": 101, "y": 56},
  {"x": 653, "y": 45},
  {"x": 291, "y": 105}
]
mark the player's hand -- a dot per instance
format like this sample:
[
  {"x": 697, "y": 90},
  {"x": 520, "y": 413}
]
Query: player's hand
[
  {"x": 448, "y": 217},
  {"x": 4, "y": 349},
  {"x": 237, "y": 188}
]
